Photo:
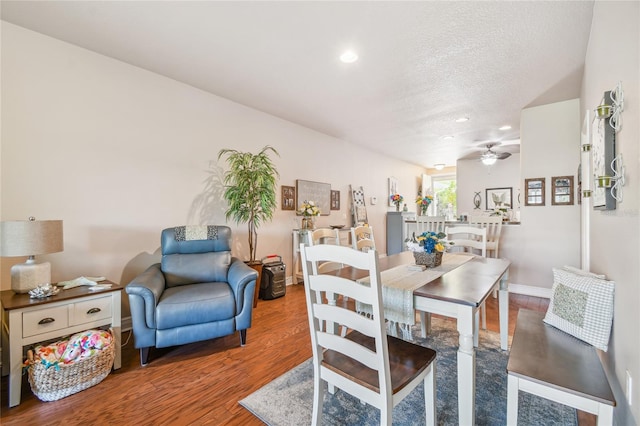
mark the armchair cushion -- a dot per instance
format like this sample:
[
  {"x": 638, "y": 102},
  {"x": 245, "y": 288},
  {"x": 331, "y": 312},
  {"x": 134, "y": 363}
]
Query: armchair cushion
[
  {"x": 181, "y": 269},
  {"x": 205, "y": 302}
]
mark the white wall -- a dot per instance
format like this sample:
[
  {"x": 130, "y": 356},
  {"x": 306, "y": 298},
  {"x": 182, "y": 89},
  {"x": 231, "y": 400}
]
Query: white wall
[
  {"x": 473, "y": 176},
  {"x": 612, "y": 56},
  {"x": 549, "y": 235},
  {"x": 120, "y": 153}
]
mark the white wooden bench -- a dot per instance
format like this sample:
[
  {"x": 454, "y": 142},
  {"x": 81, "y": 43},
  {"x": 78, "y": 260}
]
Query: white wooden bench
[{"x": 552, "y": 364}]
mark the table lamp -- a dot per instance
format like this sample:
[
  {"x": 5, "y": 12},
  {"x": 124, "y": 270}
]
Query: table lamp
[{"x": 30, "y": 238}]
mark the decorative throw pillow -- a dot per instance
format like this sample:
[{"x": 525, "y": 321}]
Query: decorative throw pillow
[{"x": 582, "y": 305}]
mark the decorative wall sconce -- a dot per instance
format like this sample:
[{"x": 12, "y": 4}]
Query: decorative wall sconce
[
  {"x": 613, "y": 111},
  {"x": 615, "y": 182}
]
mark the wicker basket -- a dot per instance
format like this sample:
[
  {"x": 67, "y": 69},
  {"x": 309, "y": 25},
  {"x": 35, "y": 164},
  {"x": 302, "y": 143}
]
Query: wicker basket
[
  {"x": 51, "y": 384},
  {"x": 430, "y": 260}
]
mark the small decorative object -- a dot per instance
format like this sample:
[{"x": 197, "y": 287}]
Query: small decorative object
[
  {"x": 476, "y": 201},
  {"x": 396, "y": 199},
  {"x": 423, "y": 203},
  {"x": 405, "y": 208},
  {"x": 308, "y": 210},
  {"x": 43, "y": 291},
  {"x": 427, "y": 248}
]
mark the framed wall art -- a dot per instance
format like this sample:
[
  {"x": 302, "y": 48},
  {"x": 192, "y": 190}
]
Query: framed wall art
[
  {"x": 498, "y": 198},
  {"x": 393, "y": 189},
  {"x": 319, "y": 193},
  {"x": 562, "y": 191},
  {"x": 335, "y": 200},
  {"x": 288, "y": 197},
  {"x": 534, "y": 192}
]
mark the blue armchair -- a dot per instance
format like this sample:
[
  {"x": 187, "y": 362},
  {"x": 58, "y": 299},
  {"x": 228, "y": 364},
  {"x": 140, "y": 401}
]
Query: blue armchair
[{"x": 198, "y": 292}]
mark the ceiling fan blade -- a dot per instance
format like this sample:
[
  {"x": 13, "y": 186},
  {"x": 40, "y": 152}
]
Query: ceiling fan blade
[{"x": 503, "y": 155}]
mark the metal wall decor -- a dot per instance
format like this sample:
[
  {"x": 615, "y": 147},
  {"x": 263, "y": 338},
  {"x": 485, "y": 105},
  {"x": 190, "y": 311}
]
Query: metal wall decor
[{"x": 477, "y": 200}]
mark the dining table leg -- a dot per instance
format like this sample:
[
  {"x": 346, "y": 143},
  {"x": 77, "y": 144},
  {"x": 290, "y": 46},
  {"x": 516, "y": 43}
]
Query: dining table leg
[
  {"x": 503, "y": 304},
  {"x": 466, "y": 366}
]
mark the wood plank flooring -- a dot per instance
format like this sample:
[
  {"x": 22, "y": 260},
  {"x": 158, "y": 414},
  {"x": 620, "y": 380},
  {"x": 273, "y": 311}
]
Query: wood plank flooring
[{"x": 201, "y": 383}]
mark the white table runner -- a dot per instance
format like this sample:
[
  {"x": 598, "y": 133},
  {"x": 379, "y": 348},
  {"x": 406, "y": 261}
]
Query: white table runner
[{"x": 398, "y": 285}]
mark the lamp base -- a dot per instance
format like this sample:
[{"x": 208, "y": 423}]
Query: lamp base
[{"x": 29, "y": 275}]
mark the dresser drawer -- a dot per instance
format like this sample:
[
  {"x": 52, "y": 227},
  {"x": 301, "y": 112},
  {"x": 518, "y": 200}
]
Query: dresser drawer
[
  {"x": 90, "y": 310},
  {"x": 44, "y": 321}
]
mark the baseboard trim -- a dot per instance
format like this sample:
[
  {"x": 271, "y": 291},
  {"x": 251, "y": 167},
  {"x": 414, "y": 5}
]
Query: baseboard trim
[
  {"x": 125, "y": 323},
  {"x": 528, "y": 290}
]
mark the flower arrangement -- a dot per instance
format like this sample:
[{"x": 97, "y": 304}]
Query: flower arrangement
[
  {"x": 423, "y": 203},
  {"x": 428, "y": 242},
  {"x": 396, "y": 199},
  {"x": 308, "y": 209}
]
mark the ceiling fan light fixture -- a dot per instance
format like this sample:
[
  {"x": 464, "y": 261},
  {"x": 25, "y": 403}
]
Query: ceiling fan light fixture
[
  {"x": 438, "y": 166},
  {"x": 349, "y": 57},
  {"x": 489, "y": 159}
]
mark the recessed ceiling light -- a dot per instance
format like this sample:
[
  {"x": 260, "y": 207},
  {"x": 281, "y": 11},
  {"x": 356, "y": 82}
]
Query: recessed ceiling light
[
  {"x": 447, "y": 137},
  {"x": 462, "y": 119},
  {"x": 349, "y": 57},
  {"x": 439, "y": 166},
  {"x": 507, "y": 127}
]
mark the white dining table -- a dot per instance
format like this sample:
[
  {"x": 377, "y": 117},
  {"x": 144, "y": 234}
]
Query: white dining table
[{"x": 458, "y": 294}]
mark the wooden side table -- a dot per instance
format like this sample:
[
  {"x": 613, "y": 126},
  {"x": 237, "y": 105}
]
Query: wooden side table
[{"x": 26, "y": 321}]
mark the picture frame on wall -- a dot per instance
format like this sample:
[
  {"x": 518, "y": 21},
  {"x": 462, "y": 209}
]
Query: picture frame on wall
[
  {"x": 393, "y": 189},
  {"x": 499, "y": 197},
  {"x": 288, "y": 197},
  {"x": 335, "y": 200}
]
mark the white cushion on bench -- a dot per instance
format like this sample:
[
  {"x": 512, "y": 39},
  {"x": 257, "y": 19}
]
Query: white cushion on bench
[{"x": 582, "y": 305}]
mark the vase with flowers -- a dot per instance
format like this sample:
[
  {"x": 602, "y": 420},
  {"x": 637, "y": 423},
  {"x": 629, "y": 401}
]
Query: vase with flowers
[
  {"x": 428, "y": 248},
  {"x": 309, "y": 211},
  {"x": 397, "y": 199},
  {"x": 423, "y": 203}
]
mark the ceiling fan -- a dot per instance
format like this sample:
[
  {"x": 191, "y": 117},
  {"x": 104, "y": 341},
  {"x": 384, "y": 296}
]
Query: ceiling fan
[{"x": 489, "y": 157}]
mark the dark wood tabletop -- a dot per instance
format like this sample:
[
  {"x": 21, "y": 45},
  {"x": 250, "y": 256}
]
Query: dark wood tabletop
[
  {"x": 12, "y": 300},
  {"x": 468, "y": 284}
]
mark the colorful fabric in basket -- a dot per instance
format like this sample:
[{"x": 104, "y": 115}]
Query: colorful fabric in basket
[{"x": 78, "y": 347}]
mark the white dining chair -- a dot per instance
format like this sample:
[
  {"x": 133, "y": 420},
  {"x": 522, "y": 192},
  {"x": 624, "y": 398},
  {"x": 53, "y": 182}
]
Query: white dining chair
[
  {"x": 471, "y": 239},
  {"x": 430, "y": 224},
  {"x": 377, "y": 369},
  {"x": 493, "y": 225},
  {"x": 362, "y": 238}
]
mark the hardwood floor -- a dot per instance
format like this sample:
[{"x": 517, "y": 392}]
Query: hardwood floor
[{"x": 201, "y": 383}]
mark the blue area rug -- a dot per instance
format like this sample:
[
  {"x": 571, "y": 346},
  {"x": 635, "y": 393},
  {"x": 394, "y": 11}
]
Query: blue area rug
[{"x": 288, "y": 399}]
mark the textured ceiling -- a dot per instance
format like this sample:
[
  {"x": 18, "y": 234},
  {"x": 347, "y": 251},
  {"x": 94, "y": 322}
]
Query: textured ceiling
[{"x": 421, "y": 65}]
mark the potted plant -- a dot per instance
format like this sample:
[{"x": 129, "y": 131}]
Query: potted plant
[{"x": 250, "y": 191}]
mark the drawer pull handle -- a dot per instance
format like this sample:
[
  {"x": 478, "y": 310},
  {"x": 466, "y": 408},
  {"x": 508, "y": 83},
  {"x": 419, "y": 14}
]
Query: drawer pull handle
[
  {"x": 93, "y": 311},
  {"x": 46, "y": 320}
]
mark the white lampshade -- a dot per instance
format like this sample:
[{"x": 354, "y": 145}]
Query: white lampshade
[{"x": 30, "y": 238}]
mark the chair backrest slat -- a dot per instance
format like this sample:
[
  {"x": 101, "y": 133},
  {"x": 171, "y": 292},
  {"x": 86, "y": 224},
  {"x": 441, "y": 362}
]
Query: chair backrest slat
[
  {"x": 429, "y": 224},
  {"x": 468, "y": 237}
]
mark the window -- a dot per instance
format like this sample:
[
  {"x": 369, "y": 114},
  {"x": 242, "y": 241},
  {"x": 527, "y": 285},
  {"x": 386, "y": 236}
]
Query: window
[{"x": 444, "y": 200}]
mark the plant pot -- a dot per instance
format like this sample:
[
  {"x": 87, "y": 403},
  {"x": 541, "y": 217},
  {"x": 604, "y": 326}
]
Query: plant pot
[{"x": 257, "y": 266}]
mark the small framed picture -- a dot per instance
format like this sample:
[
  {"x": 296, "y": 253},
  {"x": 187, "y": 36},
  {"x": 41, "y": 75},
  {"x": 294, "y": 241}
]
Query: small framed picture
[
  {"x": 288, "y": 197},
  {"x": 335, "y": 200}
]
